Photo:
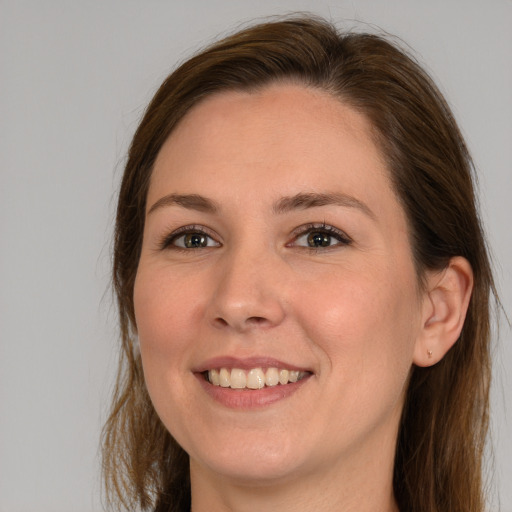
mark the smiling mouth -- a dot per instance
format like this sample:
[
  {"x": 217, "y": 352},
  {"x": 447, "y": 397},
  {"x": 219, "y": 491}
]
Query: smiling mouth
[{"x": 256, "y": 378}]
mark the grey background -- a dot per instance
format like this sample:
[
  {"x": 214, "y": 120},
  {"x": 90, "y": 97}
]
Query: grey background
[{"x": 74, "y": 78}]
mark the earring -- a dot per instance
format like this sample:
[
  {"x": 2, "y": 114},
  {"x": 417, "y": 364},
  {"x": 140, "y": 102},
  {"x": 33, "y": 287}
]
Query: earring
[{"x": 429, "y": 354}]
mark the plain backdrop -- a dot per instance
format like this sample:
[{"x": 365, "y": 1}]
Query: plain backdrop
[{"x": 75, "y": 77}]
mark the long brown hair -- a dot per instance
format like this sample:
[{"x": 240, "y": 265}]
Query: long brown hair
[{"x": 440, "y": 448}]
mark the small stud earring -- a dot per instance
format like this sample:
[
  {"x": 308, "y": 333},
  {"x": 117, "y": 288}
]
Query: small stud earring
[{"x": 429, "y": 354}]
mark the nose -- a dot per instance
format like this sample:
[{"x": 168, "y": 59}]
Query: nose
[{"x": 249, "y": 292}]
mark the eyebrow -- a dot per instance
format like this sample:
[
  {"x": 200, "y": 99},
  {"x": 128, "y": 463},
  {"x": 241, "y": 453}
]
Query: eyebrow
[
  {"x": 189, "y": 201},
  {"x": 303, "y": 201}
]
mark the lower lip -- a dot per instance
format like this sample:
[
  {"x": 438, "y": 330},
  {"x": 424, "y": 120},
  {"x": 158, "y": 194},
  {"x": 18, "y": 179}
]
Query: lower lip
[{"x": 246, "y": 399}]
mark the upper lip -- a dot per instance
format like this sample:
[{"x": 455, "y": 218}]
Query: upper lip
[{"x": 246, "y": 364}]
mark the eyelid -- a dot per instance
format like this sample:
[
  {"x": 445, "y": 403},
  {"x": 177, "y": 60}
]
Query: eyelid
[
  {"x": 167, "y": 240},
  {"x": 303, "y": 230}
]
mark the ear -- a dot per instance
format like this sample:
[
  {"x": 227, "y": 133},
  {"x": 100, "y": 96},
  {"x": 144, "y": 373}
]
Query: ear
[{"x": 444, "y": 311}]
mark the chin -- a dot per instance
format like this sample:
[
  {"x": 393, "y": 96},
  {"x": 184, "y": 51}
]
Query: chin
[{"x": 252, "y": 461}]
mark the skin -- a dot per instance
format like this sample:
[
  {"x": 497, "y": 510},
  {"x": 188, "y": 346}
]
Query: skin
[{"x": 351, "y": 313}]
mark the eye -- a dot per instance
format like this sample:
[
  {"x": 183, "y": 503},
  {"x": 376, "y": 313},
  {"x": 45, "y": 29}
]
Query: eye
[
  {"x": 194, "y": 241},
  {"x": 320, "y": 236},
  {"x": 188, "y": 237}
]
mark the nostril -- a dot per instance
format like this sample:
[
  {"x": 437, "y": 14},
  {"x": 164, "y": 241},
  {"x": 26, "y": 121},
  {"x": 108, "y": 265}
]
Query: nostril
[
  {"x": 252, "y": 321},
  {"x": 221, "y": 322},
  {"x": 256, "y": 320}
]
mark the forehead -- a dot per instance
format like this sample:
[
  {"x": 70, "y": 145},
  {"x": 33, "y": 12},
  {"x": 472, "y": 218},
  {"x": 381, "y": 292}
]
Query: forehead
[
  {"x": 250, "y": 115},
  {"x": 284, "y": 137}
]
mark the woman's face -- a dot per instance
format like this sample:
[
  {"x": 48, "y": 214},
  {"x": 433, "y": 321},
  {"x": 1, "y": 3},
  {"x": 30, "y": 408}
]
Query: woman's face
[{"x": 274, "y": 250}]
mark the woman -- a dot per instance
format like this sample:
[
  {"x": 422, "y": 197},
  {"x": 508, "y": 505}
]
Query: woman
[{"x": 299, "y": 256}]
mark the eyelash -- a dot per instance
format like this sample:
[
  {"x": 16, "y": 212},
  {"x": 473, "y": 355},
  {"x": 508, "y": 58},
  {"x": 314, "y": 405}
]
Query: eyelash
[
  {"x": 169, "y": 241},
  {"x": 321, "y": 228}
]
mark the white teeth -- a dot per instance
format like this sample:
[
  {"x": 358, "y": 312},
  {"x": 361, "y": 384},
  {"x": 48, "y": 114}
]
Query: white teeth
[
  {"x": 256, "y": 378},
  {"x": 224, "y": 378},
  {"x": 214, "y": 377},
  {"x": 283, "y": 376},
  {"x": 272, "y": 377},
  {"x": 238, "y": 378}
]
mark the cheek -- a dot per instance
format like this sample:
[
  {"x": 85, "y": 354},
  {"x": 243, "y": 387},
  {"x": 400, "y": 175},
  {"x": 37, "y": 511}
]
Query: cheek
[
  {"x": 160, "y": 319},
  {"x": 163, "y": 324},
  {"x": 365, "y": 323},
  {"x": 164, "y": 310}
]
